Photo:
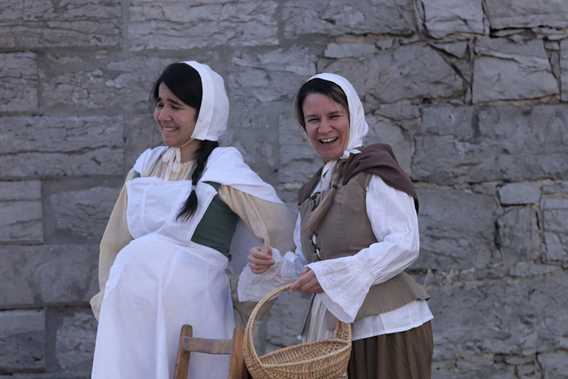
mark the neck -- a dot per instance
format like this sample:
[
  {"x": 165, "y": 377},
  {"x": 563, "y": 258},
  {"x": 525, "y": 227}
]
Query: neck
[{"x": 189, "y": 150}]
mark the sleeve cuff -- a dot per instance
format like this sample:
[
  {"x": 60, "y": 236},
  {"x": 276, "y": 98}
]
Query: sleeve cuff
[{"x": 345, "y": 285}]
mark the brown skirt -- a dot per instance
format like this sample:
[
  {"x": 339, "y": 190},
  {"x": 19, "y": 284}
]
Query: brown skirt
[{"x": 404, "y": 355}]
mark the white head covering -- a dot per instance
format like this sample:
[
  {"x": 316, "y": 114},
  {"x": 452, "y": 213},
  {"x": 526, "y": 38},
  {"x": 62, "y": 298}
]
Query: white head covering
[
  {"x": 358, "y": 126},
  {"x": 213, "y": 113}
]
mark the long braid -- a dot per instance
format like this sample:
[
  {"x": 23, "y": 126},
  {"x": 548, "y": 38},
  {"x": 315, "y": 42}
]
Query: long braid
[{"x": 190, "y": 205}]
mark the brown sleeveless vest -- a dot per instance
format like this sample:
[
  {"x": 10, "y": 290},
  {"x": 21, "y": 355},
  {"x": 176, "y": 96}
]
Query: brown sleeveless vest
[{"x": 335, "y": 224}]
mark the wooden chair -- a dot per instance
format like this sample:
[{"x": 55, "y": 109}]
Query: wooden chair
[{"x": 234, "y": 347}]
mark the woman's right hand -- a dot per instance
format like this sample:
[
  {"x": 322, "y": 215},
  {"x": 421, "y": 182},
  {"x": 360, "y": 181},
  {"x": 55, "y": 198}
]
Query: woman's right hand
[{"x": 260, "y": 259}]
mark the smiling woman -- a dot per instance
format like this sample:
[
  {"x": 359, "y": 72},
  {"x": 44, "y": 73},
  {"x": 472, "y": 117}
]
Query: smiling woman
[
  {"x": 167, "y": 245},
  {"x": 356, "y": 233}
]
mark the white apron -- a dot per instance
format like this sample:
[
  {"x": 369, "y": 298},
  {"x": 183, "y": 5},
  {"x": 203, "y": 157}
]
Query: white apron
[{"x": 158, "y": 282}]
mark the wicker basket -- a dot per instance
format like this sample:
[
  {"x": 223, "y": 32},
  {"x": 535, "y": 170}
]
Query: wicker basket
[{"x": 315, "y": 360}]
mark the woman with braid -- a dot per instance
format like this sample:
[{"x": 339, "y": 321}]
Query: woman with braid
[{"x": 167, "y": 244}]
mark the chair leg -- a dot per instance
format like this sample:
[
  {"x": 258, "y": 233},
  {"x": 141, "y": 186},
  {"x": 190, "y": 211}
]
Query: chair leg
[
  {"x": 182, "y": 359},
  {"x": 237, "y": 368}
]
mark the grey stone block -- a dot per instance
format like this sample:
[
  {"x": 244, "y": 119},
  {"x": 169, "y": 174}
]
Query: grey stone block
[
  {"x": 520, "y": 193},
  {"x": 269, "y": 76},
  {"x": 456, "y": 228},
  {"x": 443, "y": 17},
  {"x": 56, "y": 146},
  {"x": 564, "y": 69},
  {"x": 504, "y": 14},
  {"x": 181, "y": 25},
  {"x": 504, "y": 70},
  {"x": 83, "y": 213},
  {"x": 19, "y": 91},
  {"x": 22, "y": 340},
  {"x": 349, "y": 49},
  {"x": 505, "y": 317},
  {"x": 75, "y": 341},
  {"x": 335, "y": 17},
  {"x": 554, "y": 364},
  {"x": 38, "y": 275},
  {"x": 519, "y": 235},
  {"x": 99, "y": 81},
  {"x": 459, "y": 144},
  {"x": 298, "y": 161},
  {"x": 384, "y": 130},
  {"x": 21, "y": 213},
  {"x": 555, "y": 213},
  {"x": 399, "y": 74},
  {"x": 141, "y": 133},
  {"x": 42, "y": 23}
]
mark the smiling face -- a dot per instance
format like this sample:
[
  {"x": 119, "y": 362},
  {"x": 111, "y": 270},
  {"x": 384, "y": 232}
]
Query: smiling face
[
  {"x": 327, "y": 125},
  {"x": 175, "y": 119}
]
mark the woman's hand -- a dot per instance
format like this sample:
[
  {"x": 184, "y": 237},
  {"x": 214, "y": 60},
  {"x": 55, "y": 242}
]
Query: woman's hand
[
  {"x": 260, "y": 259},
  {"x": 307, "y": 283}
]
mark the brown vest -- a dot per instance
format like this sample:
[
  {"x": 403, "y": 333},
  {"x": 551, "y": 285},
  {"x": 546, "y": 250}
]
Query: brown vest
[{"x": 338, "y": 219}]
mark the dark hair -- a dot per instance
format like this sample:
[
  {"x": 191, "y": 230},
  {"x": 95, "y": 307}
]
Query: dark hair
[
  {"x": 190, "y": 205},
  {"x": 184, "y": 81},
  {"x": 323, "y": 87}
]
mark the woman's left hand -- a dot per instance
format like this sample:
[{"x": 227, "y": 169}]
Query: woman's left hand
[{"x": 307, "y": 283}]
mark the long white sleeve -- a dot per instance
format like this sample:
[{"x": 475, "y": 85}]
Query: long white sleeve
[{"x": 346, "y": 281}]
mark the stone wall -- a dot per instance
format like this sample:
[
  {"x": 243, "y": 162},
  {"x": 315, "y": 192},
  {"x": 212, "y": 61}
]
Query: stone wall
[{"x": 471, "y": 93}]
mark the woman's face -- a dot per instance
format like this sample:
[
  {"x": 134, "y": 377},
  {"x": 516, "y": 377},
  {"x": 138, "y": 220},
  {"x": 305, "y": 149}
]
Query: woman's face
[
  {"x": 327, "y": 125},
  {"x": 175, "y": 119}
]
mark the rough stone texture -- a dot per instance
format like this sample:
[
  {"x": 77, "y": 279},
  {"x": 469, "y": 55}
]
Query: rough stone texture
[
  {"x": 519, "y": 235},
  {"x": 564, "y": 69},
  {"x": 22, "y": 340},
  {"x": 83, "y": 213},
  {"x": 47, "y": 143},
  {"x": 336, "y": 17},
  {"x": 49, "y": 274},
  {"x": 469, "y": 93},
  {"x": 457, "y": 229},
  {"x": 44, "y": 23},
  {"x": 500, "y": 317},
  {"x": 555, "y": 364},
  {"x": 298, "y": 162},
  {"x": 459, "y": 144},
  {"x": 443, "y": 17},
  {"x": 75, "y": 341},
  {"x": 527, "y": 13},
  {"x": 21, "y": 212},
  {"x": 555, "y": 214},
  {"x": 104, "y": 81},
  {"x": 519, "y": 193},
  {"x": 499, "y": 65},
  {"x": 209, "y": 24},
  {"x": 349, "y": 49},
  {"x": 399, "y": 74},
  {"x": 19, "y": 82}
]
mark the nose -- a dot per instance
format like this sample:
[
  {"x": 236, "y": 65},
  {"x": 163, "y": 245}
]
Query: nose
[
  {"x": 164, "y": 113},
  {"x": 325, "y": 126}
]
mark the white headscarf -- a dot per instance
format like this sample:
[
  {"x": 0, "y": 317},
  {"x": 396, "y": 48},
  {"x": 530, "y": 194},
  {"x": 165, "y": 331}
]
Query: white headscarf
[
  {"x": 213, "y": 113},
  {"x": 358, "y": 126}
]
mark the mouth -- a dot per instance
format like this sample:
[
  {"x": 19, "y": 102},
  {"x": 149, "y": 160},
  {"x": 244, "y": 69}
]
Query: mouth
[
  {"x": 325, "y": 141},
  {"x": 169, "y": 129}
]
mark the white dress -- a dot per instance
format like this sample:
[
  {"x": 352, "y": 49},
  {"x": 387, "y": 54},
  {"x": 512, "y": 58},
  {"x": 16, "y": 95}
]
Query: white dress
[{"x": 162, "y": 279}]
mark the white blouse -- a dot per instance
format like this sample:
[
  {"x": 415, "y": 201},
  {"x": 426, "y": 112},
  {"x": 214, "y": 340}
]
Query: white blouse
[{"x": 346, "y": 281}]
